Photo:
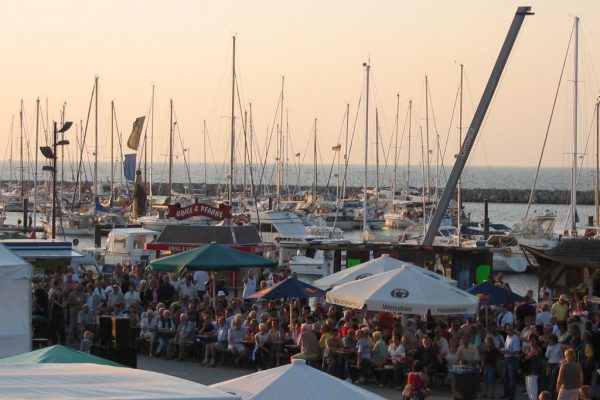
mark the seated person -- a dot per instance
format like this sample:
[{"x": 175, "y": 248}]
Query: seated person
[
  {"x": 262, "y": 349},
  {"x": 428, "y": 354},
  {"x": 397, "y": 354},
  {"x": 468, "y": 353},
  {"x": 235, "y": 335},
  {"x": 184, "y": 334},
  {"x": 166, "y": 330},
  {"x": 221, "y": 334},
  {"x": 309, "y": 346},
  {"x": 149, "y": 328}
]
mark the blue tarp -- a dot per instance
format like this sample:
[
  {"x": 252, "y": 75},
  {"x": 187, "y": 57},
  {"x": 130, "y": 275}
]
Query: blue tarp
[
  {"x": 290, "y": 287},
  {"x": 492, "y": 294}
]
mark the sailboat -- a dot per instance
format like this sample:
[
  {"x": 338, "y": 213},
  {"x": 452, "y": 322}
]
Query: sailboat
[{"x": 577, "y": 255}]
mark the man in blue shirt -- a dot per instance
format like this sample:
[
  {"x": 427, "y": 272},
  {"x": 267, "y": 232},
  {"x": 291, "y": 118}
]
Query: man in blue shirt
[{"x": 512, "y": 352}]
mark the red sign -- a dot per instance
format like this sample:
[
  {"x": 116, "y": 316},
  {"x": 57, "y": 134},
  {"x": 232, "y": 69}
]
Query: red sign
[
  {"x": 178, "y": 247},
  {"x": 199, "y": 209}
]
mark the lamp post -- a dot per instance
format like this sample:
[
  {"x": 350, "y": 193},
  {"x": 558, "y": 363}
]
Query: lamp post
[{"x": 51, "y": 153}]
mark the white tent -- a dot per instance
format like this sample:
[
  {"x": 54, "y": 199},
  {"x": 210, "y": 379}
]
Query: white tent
[
  {"x": 15, "y": 297},
  {"x": 93, "y": 381},
  {"x": 295, "y": 381},
  {"x": 404, "y": 290},
  {"x": 382, "y": 264}
]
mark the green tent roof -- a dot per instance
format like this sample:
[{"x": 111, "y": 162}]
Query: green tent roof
[
  {"x": 59, "y": 355},
  {"x": 212, "y": 257}
]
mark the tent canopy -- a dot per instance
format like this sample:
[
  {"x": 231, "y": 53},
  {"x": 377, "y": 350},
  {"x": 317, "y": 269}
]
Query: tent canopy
[
  {"x": 382, "y": 264},
  {"x": 404, "y": 290},
  {"x": 492, "y": 294},
  {"x": 290, "y": 287},
  {"x": 92, "y": 381},
  {"x": 212, "y": 257},
  {"x": 59, "y": 355},
  {"x": 15, "y": 297},
  {"x": 295, "y": 381}
]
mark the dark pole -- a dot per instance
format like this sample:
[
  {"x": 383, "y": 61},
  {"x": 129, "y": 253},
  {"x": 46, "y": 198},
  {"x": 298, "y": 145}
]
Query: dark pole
[
  {"x": 478, "y": 118},
  {"x": 54, "y": 183}
]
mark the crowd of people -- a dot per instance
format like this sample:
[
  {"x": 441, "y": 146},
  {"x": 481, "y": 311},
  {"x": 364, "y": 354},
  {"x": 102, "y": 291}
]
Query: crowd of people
[{"x": 545, "y": 342}]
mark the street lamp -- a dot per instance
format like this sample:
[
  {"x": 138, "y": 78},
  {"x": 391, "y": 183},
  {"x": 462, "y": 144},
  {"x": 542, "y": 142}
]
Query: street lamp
[{"x": 51, "y": 153}]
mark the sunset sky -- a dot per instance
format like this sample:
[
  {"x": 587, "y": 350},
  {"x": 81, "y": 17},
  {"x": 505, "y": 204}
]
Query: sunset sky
[{"x": 53, "y": 50}]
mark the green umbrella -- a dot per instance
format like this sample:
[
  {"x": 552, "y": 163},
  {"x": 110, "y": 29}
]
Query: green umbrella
[
  {"x": 57, "y": 355},
  {"x": 212, "y": 257}
]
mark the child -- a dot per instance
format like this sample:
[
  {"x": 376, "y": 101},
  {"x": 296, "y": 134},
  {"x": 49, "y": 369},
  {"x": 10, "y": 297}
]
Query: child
[
  {"x": 86, "y": 342},
  {"x": 488, "y": 368}
]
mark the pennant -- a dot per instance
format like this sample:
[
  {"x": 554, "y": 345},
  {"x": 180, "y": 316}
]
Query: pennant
[
  {"x": 337, "y": 148},
  {"x": 136, "y": 133},
  {"x": 129, "y": 167}
]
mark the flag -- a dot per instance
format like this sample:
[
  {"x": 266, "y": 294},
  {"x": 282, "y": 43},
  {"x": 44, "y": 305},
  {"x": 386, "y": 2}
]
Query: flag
[
  {"x": 129, "y": 167},
  {"x": 297, "y": 154},
  {"x": 337, "y": 148},
  {"x": 136, "y": 132}
]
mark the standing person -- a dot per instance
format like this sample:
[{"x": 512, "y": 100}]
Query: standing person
[
  {"x": 570, "y": 377},
  {"x": 554, "y": 356},
  {"x": 512, "y": 351},
  {"x": 75, "y": 301},
  {"x": 488, "y": 368},
  {"x": 249, "y": 284},
  {"x": 586, "y": 357},
  {"x": 560, "y": 310},
  {"x": 57, "y": 315},
  {"x": 533, "y": 367}
]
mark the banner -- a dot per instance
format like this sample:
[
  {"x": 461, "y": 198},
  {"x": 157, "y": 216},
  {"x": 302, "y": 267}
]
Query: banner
[
  {"x": 199, "y": 209},
  {"x": 136, "y": 133},
  {"x": 129, "y": 167}
]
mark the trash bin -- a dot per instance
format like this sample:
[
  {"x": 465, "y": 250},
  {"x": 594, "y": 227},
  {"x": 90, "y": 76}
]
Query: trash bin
[{"x": 464, "y": 382}]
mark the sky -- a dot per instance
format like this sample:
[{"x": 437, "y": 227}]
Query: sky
[{"x": 53, "y": 50}]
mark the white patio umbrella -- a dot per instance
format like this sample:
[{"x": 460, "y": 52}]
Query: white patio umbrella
[
  {"x": 405, "y": 290},
  {"x": 295, "y": 381},
  {"x": 382, "y": 264}
]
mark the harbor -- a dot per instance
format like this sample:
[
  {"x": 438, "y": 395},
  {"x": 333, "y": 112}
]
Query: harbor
[{"x": 277, "y": 205}]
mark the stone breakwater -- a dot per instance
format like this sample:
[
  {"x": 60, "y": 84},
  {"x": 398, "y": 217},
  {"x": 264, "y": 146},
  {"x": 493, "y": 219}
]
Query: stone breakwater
[{"x": 468, "y": 195}]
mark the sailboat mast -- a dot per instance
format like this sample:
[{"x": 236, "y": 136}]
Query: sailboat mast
[
  {"x": 96, "y": 139},
  {"x": 204, "y": 156},
  {"x": 170, "y": 189},
  {"x": 112, "y": 146},
  {"x": 22, "y": 178},
  {"x": 346, "y": 152},
  {"x": 280, "y": 147},
  {"x": 458, "y": 191},
  {"x": 377, "y": 152},
  {"x": 151, "y": 145},
  {"x": 365, "y": 202},
  {"x": 597, "y": 196},
  {"x": 408, "y": 157},
  {"x": 232, "y": 154},
  {"x": 574, "y": 167},
  {"x": 394, "y": 183},
  {"x": 245, "y": 151},
  {"x": 35, "y": 170},
  {"x": 427, "y": 183},
  {"x": 314, "y": 188}
]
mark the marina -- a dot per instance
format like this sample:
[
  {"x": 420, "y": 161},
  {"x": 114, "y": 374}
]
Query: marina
[{"x": 397, "y": 210}]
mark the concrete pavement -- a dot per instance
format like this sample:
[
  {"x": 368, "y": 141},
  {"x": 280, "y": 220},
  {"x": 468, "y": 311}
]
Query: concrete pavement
[{"x": 191, "y": 370}]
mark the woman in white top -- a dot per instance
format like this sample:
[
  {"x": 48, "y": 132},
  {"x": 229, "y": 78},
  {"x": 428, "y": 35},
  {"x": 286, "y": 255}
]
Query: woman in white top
[
  {"x": 262, "y": 351},
  {"x": 397, "y": 354}
]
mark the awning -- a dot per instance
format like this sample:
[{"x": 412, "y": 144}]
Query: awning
[{"x": 47, "y": 253}]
